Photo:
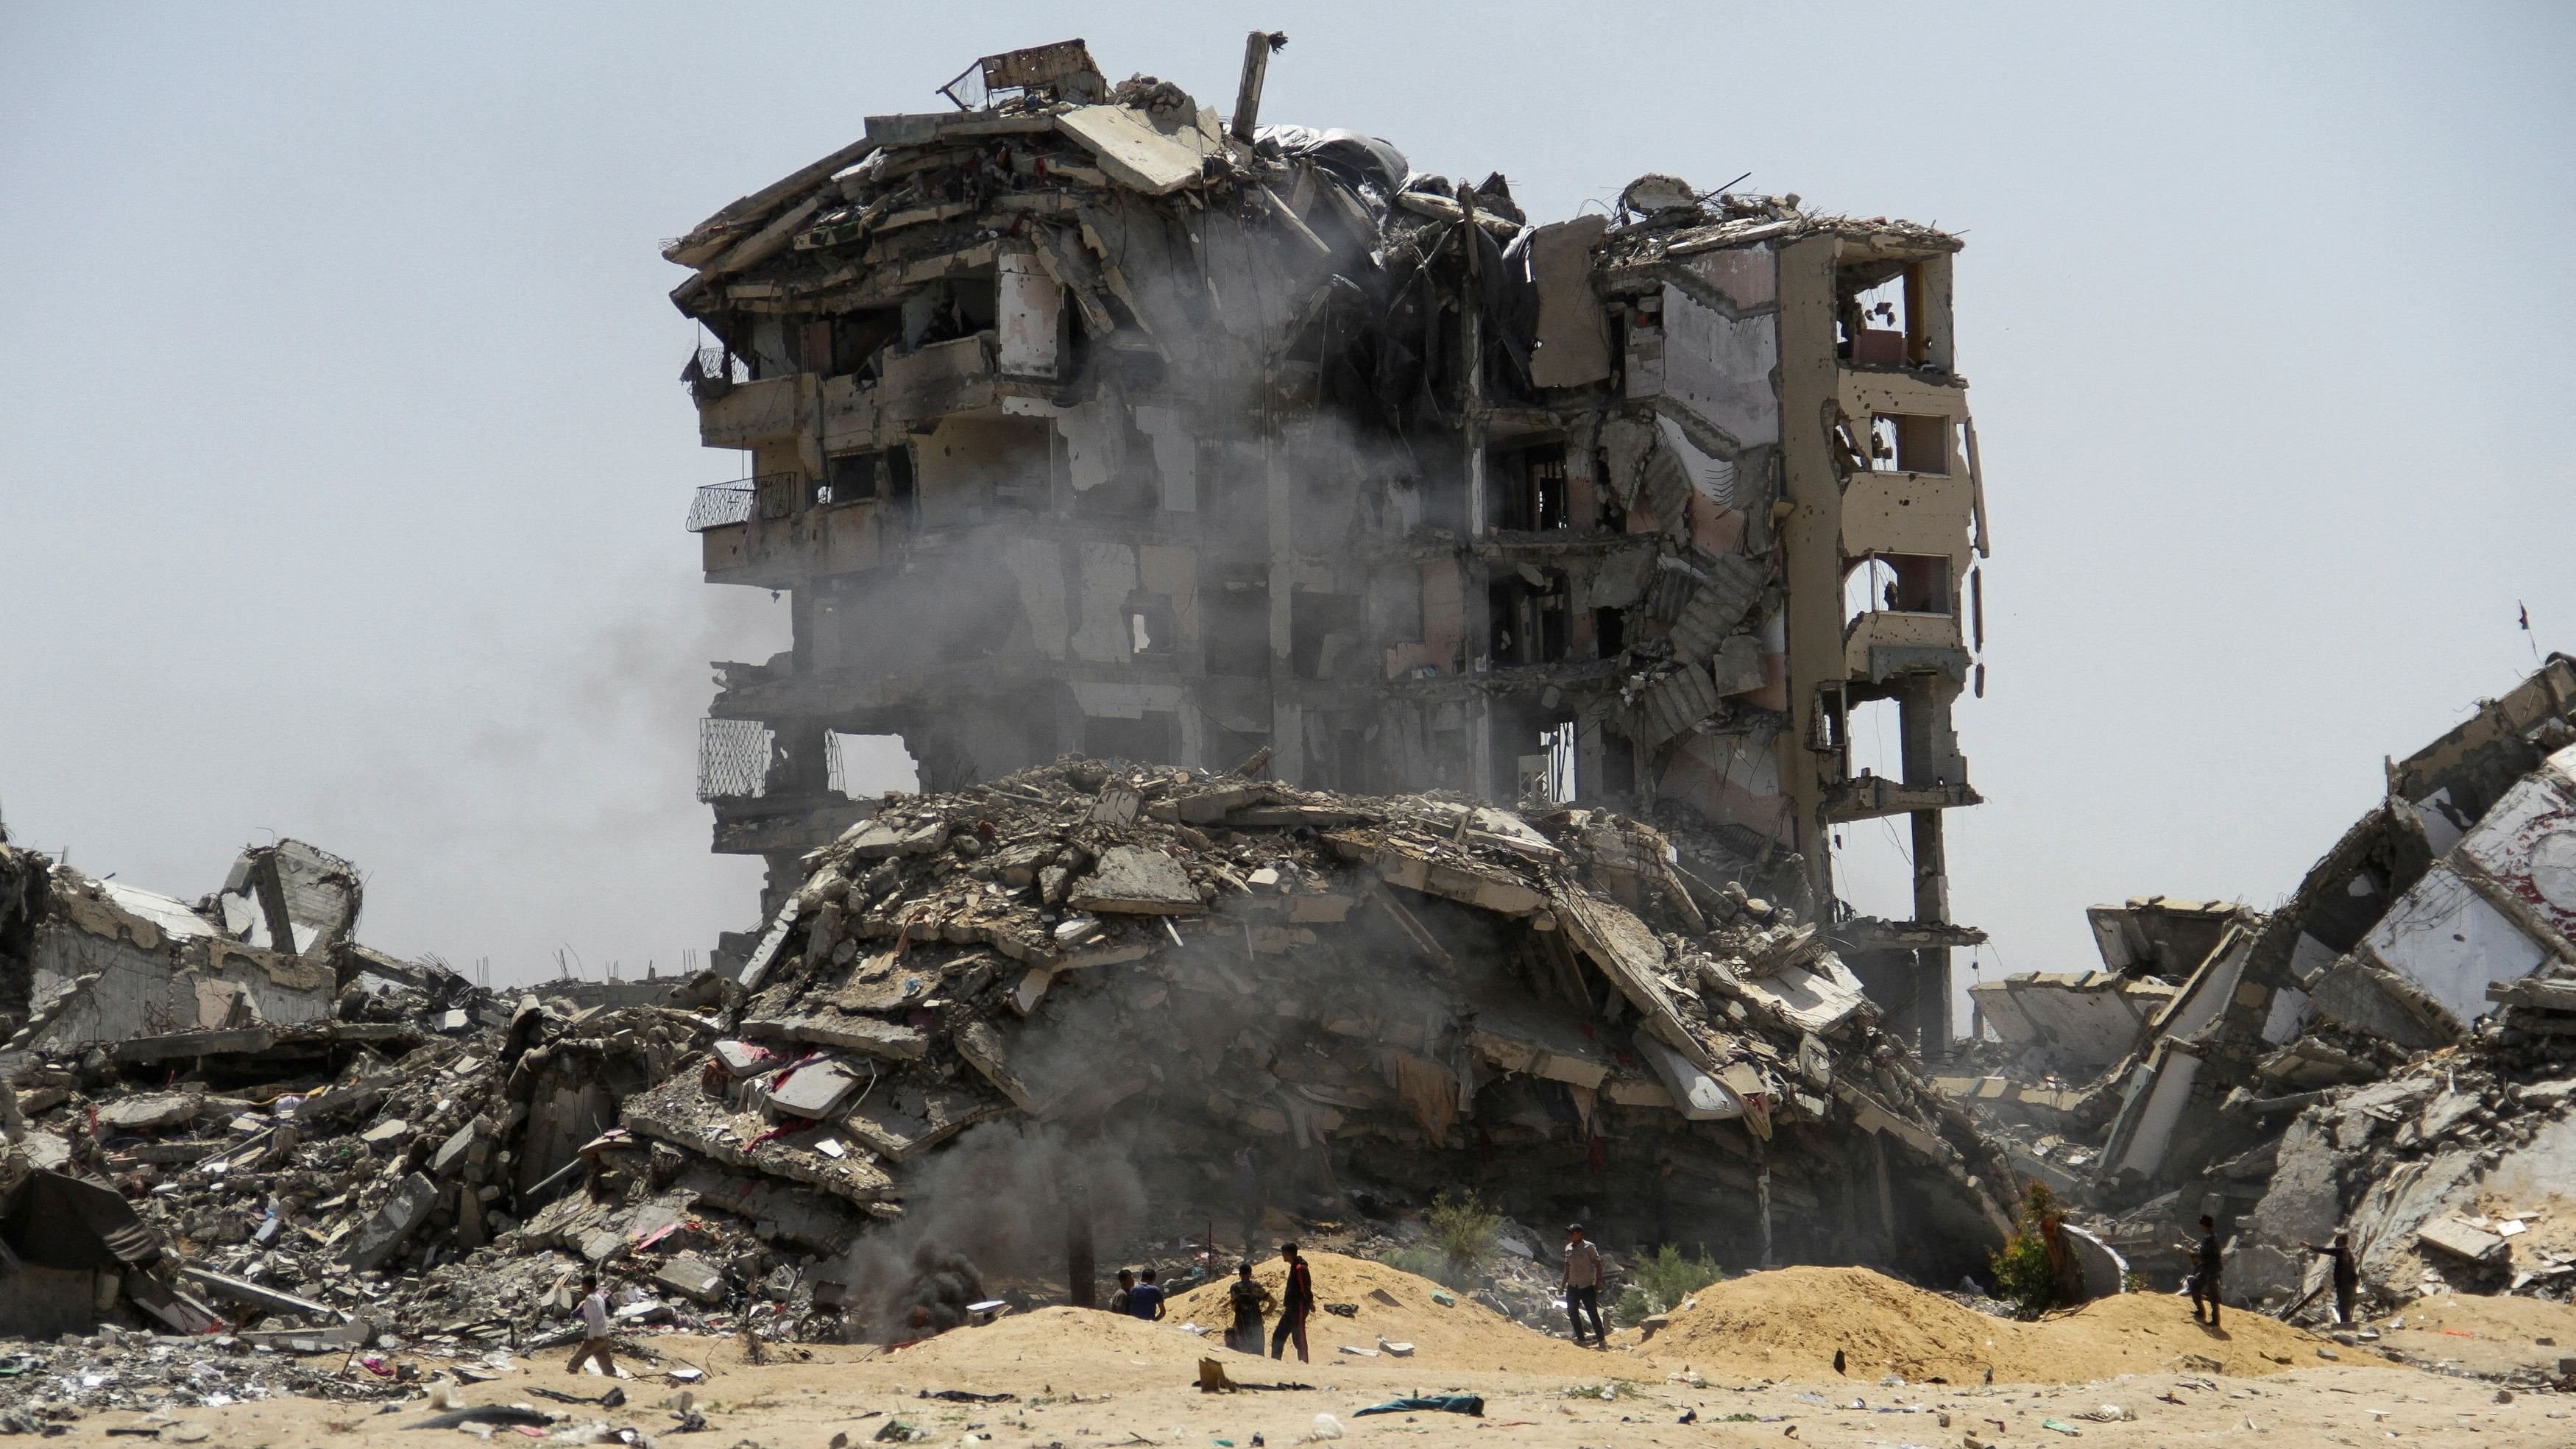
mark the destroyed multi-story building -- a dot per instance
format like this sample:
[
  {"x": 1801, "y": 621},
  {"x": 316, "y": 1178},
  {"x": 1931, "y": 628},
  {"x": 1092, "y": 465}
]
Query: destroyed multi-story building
[
  {"x": 1081, "y": 420},
  {"x": 2390, "y": 1050}
]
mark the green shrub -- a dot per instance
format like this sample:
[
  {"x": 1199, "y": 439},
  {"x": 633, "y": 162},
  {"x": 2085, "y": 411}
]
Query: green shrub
[
  {"x": 2024, "y": 1277},
  {"x": 1424, "y": 1261},
  {"x": 1464, "y": 1228},
  {"x": 1667, "y": 1278},
  {"x": 1660, "y": 1282}
]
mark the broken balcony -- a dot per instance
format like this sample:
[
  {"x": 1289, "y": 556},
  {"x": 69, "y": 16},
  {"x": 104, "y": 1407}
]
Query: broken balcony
[
  {"x": 766, "y": 798},
  {"x": 1886, "y": 643},
  {"x": 1868, "y": 797},
  {"x": 778, "y": 529}
]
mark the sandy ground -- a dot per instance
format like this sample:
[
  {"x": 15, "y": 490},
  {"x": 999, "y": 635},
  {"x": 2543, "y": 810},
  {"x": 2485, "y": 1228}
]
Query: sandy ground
[
  {"x": 1084, "y": 1380},
  {"x": 1789, "y": 1323},
  {"x": 2483, "y": 1335}
]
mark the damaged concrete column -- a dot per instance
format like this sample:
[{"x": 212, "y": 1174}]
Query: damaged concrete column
[
  {"x": 1256, "y": 69},
  {"x": 1931, "y": 757},
  {"x": 1932, "y": 963}
]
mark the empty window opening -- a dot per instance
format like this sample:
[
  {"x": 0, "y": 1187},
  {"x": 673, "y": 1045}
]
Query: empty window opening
[
  {"x": 1872, "y": 740},
  {"x": 859, "y": 477},
  {"x": 1532, "y": 490},
  {"x": 1883, "y": 315},
  {"x": 858, "y": 337},
  {"x": 1867, "y": 588},
  {"x": 1528, "y": 616},
  {"x": 859, "y": 766},
  {"x": 1150, "y": 630},
  {"x": 1897, "y": 583},
  {"x": 945, "y": 311},
  {"x": 1609, "y": 632},
  {"x": 1547, "y": 776},
  {"x": 1235, "y": 615},
  {"x": 1875, "y": 326},
  {"x": 1873, "y": 867},
  {"x": 1323, "y": 633},
  {"x": 1909, "y": 443}
]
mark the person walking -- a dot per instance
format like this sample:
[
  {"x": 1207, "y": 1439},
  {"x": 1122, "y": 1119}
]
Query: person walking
[
  {"x": 2347, "y": 1275},
  {"x": 2205, "y": 1270},
  {"x": 1294, "y": 1304},
  {"x": 1145, "y": 1300},
  {"x": 1122, "y": 1299},
  {"x": 594, "y": 1329},
  {"x": 1582, "y": 1283},
  {"x": 1251, "y": 1304}
]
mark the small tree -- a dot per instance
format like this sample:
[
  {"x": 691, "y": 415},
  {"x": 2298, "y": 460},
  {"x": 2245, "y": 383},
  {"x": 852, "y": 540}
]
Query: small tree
[
  {"x": 2027, "y": 1272},
  {"x": 1464, "y": 1227},
  {"x": 1659, "y": 1283}
]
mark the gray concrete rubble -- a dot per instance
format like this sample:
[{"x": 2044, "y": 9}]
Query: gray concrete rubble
[
  {"x": 1370, "y": 998},
  {"x": 2391, "y": 1051},
  {"x": 1082, "y": 1009}
]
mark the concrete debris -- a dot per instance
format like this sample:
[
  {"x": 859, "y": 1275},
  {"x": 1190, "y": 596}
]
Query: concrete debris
[
  {"x": 1337, "y": 1005},
  {"x": 1368, "y": 1006},
  {"x": 2461, "y": 1238},
  {"x": 2388, "y": 1053},
  {"x": 1084, "y": 421}
]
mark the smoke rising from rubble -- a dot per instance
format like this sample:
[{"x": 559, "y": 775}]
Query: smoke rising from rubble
[
  {"x": 581, "y": 785},
  {"x": 989, "y": 1207}
]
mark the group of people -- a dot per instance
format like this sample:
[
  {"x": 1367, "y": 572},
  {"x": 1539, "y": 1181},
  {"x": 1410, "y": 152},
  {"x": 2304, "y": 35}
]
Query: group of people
[
  {"x": 2207, "y": 1264},
  {"x": 1250, "y": 1302}
]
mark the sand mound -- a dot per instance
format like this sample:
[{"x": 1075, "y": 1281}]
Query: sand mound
[
  {"x": 1071, "y": 1348},
  {"x": 2153, "y": 1332},
  {"x": 1786, "y": 1324},
  {"x": 1463, "y": 1334}
]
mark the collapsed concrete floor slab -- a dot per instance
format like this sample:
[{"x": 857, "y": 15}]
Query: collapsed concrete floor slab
[
  {"x": 1253, "y": 996},
  {"x": 2392, "y": 1050},
  {"x": 1001, "y": 1031}
]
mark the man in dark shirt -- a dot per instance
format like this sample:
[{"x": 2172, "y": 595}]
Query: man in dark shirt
[
  {"x": 1145, "y": 1300},
  {"x": 1120, "y": 1301},
  {"x": 2204, "y": 1276},
  {"x": 1294, "y": 1304},
  {"x": 1250, "y": 1302},
  {"x": 2347, "y": 1275}
]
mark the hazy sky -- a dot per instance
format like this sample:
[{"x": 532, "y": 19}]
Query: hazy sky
[{"x": 344, "y": 461}]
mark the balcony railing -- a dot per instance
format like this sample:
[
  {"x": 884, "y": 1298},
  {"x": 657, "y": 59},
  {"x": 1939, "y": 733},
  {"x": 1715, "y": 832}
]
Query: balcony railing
[
  {"x": 733, "y": 759},
  {"x": 718, "y": 504}
]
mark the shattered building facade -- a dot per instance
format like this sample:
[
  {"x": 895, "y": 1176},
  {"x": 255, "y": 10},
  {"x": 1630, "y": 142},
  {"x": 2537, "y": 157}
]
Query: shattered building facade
[
  {"x": 1081, "y": 420},
  {"x": 2391, "y": 1049}
]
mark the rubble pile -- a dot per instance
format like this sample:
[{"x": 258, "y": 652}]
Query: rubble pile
[
  {"x": 2392, "y": 1050},
  {"x": 1136, "y": 998},
  {"x": 1314, "y": 1000}
]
